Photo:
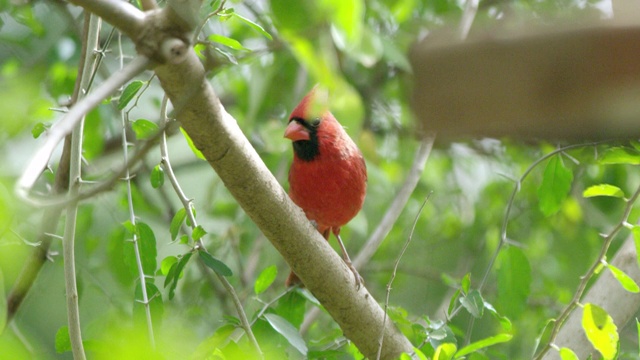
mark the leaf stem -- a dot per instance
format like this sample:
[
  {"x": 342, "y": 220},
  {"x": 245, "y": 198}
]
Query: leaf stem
[{"x": 395, "y": 270}]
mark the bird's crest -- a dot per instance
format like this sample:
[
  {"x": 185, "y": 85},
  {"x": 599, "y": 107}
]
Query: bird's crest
[{"x": 313, "y": 105}]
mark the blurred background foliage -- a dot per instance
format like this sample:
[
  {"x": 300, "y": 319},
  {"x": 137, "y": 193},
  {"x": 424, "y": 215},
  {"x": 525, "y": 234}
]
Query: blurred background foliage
[{"x": 357, "y": 49}]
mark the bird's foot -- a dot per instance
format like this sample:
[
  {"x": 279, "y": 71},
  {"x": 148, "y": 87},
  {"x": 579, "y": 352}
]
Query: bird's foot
[{"x": 359, "y": 279}]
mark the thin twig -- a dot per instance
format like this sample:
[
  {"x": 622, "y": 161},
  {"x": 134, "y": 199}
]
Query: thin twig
[
  {"x": 395, "y": 270},
  {"x": 75, "y": 172},
  {"x": 582, "y": 286},
  {"x": 206, "y": 19},
  {"x": 40, "y": 159},
  {"x": 516, "y": 189},
  {"x": 188, "y": 206},
  {"x": 132, "y": 218}
]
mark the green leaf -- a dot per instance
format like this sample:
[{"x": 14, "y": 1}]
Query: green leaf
[
  {"x": 347, "y": 16},
  {"x": 184, "y": 240},
  {"x": 545, "y": 335},
  {"x": 167, "y": 263},
  {"x": 144, "y": 129},
  {"x": 292, "y": 307},
  {"x": 284, "y": 328},
  {"x": 445, "y": 351},
  {"x": 175, "y": 272},
  {"x": 439, "y": 333},
  {"x": 198, "y": 233},
  {"x": 620, "y": 155},
  {"x": 453, "y": 301},
  {"x": 514, "y": 281},
  {"x": 473, "y": 303},
  {"x": 504, "y": 321},
  {"x": 176, "y": 223},
  {"x": 603, "y": 190},
  {"x": 265, "y": 279},
  {"x": 147, "y": 248},
  {"x": 157, "y": 176},
  {"x": 215, "y": 5},
  {"x": 214, "y": 264},
  {"x": 420, "y": 354},
  {"x": 38, "y": 129},
  {"x": 253, "y": 25},
  {"x": 129, "y": 226},
  {"x": 228, "y": 42},
  {"x": 568, "y": 354},
  {"x": 63, "y": 342},
  {"x": 625, "y": 280},
  {"x": 481, "y": 344},
  {"x": 191, "y": 145},
  {"x": 556, "y": 183},
  {"x": 600, "y": 330},
  {"x": 466, "y": 283},
  {"x": 128, "y": 93}
]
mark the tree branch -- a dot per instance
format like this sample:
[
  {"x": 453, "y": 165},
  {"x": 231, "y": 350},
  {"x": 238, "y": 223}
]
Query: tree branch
[
  {"x": 121, "y": 14},
  {"x": 75, "y": 172},
  {"x": 216, "y": 134}
]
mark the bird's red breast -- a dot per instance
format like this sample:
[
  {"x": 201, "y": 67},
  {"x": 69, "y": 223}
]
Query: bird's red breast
[{"x": 328, "y": 176}]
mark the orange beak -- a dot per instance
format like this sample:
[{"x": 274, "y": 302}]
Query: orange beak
[{"x": 296, "y": 132}]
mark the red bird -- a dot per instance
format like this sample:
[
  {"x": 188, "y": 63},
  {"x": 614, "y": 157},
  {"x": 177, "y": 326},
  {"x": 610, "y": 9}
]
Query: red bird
[{"x": 328, "y": 176}]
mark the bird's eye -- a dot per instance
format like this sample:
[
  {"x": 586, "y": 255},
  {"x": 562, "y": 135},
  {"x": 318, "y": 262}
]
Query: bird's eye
[{"x": 315, "y": 122}]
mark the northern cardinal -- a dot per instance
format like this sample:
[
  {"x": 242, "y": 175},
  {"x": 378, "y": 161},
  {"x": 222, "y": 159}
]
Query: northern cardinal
[{"x": 328, "y": 176}]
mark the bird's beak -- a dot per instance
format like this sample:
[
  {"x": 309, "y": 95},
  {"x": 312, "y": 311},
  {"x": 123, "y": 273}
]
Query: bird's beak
[{"x": 296, "y": 132}]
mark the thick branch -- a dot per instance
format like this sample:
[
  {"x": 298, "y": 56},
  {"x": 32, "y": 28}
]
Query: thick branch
[{"x": 217, "y": 135}]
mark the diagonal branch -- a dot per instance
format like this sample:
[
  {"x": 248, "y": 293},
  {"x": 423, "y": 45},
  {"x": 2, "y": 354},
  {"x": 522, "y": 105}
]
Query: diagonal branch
[{"x": 217, "y": 135}]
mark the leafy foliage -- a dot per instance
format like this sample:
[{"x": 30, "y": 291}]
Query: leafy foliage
[{"x": 263, "y": 56}]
